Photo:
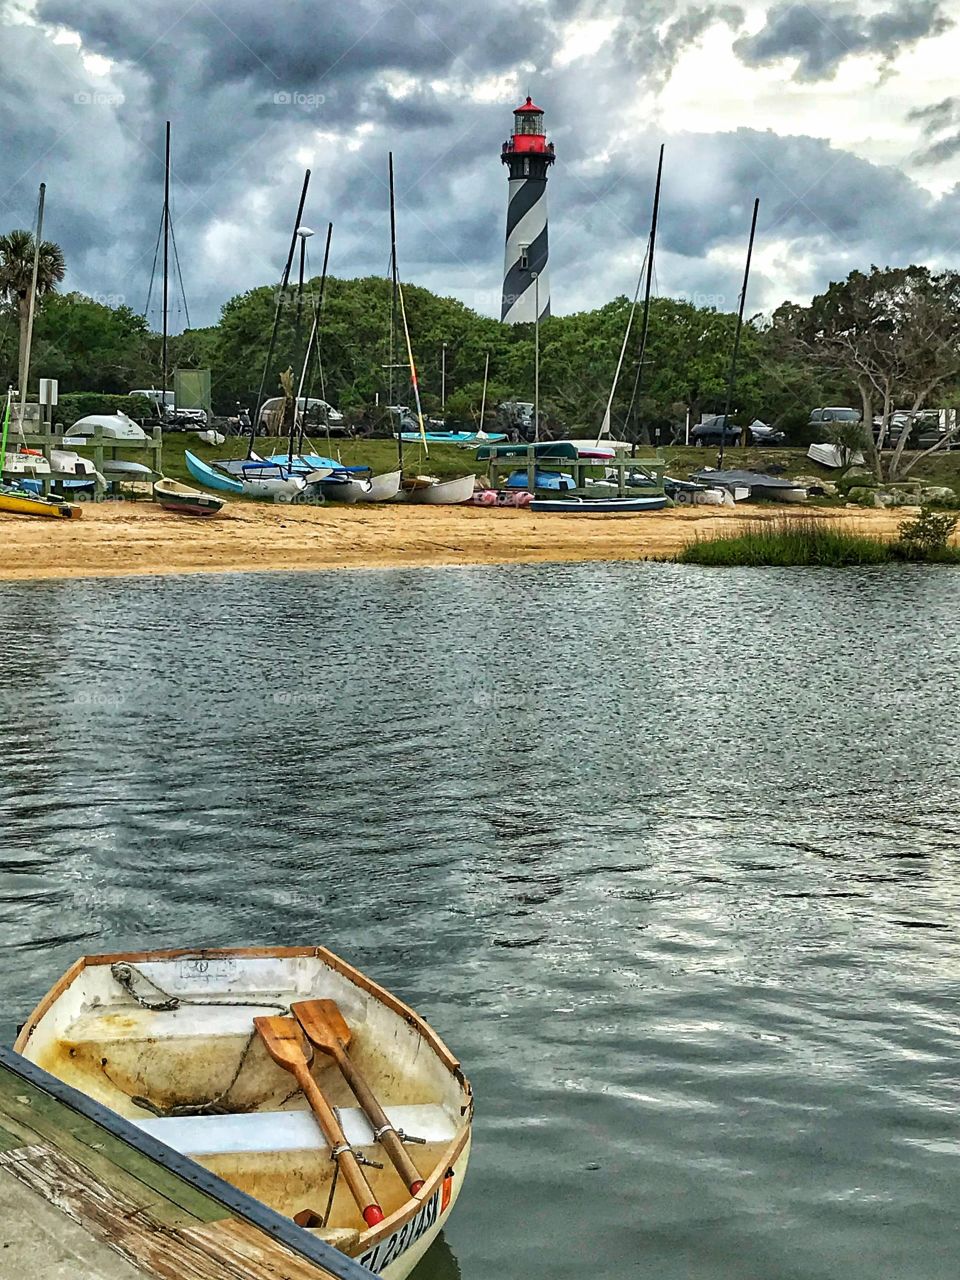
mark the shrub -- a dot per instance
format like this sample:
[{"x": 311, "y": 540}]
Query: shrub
[
  {"x": 794, "y": 540},
  {"x": 927, "y": 536}
]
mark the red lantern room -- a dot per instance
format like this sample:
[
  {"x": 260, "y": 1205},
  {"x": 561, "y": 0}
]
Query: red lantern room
[{"x": 528, "y": 135}]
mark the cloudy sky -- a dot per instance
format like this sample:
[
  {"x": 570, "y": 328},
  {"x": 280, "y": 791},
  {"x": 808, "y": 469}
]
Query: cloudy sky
[{"x": 839, "y": 115}]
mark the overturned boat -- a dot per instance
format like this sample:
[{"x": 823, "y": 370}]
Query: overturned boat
[{"x": 241, "y": 1059}]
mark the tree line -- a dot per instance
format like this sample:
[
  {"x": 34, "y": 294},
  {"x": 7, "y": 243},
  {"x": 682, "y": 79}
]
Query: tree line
[{"x": 884, "y": 340}]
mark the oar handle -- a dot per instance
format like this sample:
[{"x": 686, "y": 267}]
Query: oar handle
[
  {"x": 386, "y": 1134},
  {"x": 359, "y": 1186}
]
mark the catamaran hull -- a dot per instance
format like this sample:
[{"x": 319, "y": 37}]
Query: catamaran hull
[{"x": 205, "y": 475}]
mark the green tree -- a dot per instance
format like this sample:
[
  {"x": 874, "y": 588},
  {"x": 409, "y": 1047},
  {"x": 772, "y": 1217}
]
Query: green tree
[
  {"x": 894, "y": 335},
  {"x": 17, "y": 253}
]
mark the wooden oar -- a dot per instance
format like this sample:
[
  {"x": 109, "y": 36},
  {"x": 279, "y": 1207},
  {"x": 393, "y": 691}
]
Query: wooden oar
[
  {"x": 327, "y": 1030},
  {"x": 284, "y": 1043}
]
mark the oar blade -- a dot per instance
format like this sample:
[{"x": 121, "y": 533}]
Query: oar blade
[
  {"x": 323, "y": 1024},
  {"x": 284, "y": 1041}
]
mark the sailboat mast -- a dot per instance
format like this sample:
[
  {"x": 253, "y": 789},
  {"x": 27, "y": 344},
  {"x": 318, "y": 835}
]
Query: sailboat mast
[
  {"x": 731, "y": 378},
  {"x": 306, "y": 357},
  {"x": 483, "y": 400},
  {"x": 166, "y": 268},
  {"x": 31, "y": 311},
  {"x": 393, "y": 310},
  {"x": 281, "y": 295},
  {"x": 651, "y": 249}
]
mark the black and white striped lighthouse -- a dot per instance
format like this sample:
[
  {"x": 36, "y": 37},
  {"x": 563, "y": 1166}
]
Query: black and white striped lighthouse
[{"x": 528, "y": 156}]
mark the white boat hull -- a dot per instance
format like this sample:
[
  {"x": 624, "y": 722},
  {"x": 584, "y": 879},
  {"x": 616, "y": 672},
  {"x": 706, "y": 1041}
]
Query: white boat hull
[
  {"x": 25, "y": 464},
  {"x": 383, "y": 488},
  {"x": 444, "y": 492},
  {"x": 274, "y": 490}
]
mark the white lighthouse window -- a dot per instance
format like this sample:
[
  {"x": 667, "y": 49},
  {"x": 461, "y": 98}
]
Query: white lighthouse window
[
  {"x": 524, "y": 257},
  {"x": 526, "y": 166}
]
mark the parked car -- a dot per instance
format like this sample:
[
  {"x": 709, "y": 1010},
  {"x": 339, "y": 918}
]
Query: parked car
[
  {"x": 925, "y": 428},
  {"x": 759, "y": 433},
  {"x": 317, "y": 414},
  {"x": 827, "y": 417},
  {"x": 712, "y": 431}
]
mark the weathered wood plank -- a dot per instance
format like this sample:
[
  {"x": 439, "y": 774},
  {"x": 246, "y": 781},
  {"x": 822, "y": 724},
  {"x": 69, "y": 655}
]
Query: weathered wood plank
[
  {"x": 242, "y": 1246},
  {"x": 210, "y": 1253},
  {"x": 31, "y": 1114}
]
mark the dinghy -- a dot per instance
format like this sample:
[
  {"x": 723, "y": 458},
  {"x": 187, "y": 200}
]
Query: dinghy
[
  {"x": 25, "y": 462},
  {"x": 440, "y": 492},
  {"x": 180, "y": 498},
  {"x": 113, "y": 426},
  {"x": 208, "y": 1052}
]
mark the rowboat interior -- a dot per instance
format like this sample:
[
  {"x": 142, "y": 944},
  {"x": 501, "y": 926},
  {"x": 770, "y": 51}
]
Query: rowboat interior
[{"x": 168, "y": 1041}]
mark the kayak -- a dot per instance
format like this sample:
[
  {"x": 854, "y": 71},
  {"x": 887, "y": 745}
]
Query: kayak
[
  {"x": 204, "y": 1050},
  {"x": 20, "y": 503}
]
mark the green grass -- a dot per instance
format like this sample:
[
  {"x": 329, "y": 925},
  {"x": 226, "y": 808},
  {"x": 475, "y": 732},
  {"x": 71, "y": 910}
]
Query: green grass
[{"x": 796, "y": 540}]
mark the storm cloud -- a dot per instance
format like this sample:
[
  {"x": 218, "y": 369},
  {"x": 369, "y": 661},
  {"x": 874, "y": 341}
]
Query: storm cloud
[
  {"x": 257, "y": 93},
  {"x": 821, "y": 34}
]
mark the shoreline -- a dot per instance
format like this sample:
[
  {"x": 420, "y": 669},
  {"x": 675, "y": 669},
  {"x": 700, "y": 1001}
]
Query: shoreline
[{"x": 131, "y": 539}]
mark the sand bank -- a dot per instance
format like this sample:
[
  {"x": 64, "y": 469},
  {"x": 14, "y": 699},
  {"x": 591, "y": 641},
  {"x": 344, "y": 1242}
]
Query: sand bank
[{"x": 139, "y": 538}]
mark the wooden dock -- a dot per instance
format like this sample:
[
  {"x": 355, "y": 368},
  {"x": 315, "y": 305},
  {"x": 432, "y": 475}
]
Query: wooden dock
[{"x": 84, "y": 1193}]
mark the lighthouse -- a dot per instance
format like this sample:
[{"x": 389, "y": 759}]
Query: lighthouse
[{"x": 528, "y": 156}]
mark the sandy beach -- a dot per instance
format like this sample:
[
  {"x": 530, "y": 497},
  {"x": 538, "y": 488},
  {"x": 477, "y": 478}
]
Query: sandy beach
[{"x": 114, "y": 539}]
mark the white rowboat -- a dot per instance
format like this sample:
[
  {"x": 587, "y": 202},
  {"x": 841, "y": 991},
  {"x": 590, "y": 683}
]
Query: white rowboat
[
  {"x": 167, "y": 1040},
  {"x": 445, "y": 492}
]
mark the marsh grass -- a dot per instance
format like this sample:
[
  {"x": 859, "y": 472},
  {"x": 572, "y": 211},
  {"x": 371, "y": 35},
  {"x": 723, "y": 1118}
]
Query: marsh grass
[{"x": 798, "y": 540}]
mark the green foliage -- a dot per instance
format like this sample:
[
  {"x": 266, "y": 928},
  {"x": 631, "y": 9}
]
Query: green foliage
[{"x": 928, "y": 535}]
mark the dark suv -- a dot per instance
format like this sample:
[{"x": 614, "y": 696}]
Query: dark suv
[{"x": 711, "y": 431}]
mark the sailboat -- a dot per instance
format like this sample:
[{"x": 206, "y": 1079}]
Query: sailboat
[{"x": 420, "y": 488}]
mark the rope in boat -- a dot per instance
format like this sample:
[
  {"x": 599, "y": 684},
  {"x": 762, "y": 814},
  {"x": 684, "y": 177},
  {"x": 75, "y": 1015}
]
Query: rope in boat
[{"x": 124, "y": 974}]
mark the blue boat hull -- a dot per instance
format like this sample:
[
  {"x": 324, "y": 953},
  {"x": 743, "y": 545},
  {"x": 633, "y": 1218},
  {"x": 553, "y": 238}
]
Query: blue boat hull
[
  {"x": 448, "y": 437},
  {"x": 211, "y": 479}
]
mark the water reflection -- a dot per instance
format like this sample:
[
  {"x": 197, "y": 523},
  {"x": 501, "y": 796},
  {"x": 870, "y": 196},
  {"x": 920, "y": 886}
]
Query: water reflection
[{"x": 669, "y": 857}]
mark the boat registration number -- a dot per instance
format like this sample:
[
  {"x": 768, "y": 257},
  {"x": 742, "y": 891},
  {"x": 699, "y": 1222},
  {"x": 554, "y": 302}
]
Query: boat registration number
[
  {"x": 381, "y": 1255},
  {"x": 199, "y": 969}
]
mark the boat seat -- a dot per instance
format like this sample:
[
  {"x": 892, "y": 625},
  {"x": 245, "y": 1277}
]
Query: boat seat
[
  {"x": 266, "y": 1131},
  {"x": 131, "y": 1022}
]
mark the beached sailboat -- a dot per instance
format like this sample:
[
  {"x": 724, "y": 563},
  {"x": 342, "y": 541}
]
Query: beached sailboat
[{"x": 241, "y": 1059}]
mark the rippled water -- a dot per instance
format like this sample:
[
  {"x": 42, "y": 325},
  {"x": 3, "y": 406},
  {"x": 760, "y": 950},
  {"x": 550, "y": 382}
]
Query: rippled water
[{"x": 669, "y": 857}]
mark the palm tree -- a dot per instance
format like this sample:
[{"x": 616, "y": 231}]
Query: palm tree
[{"x": 16, "y": 274}]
